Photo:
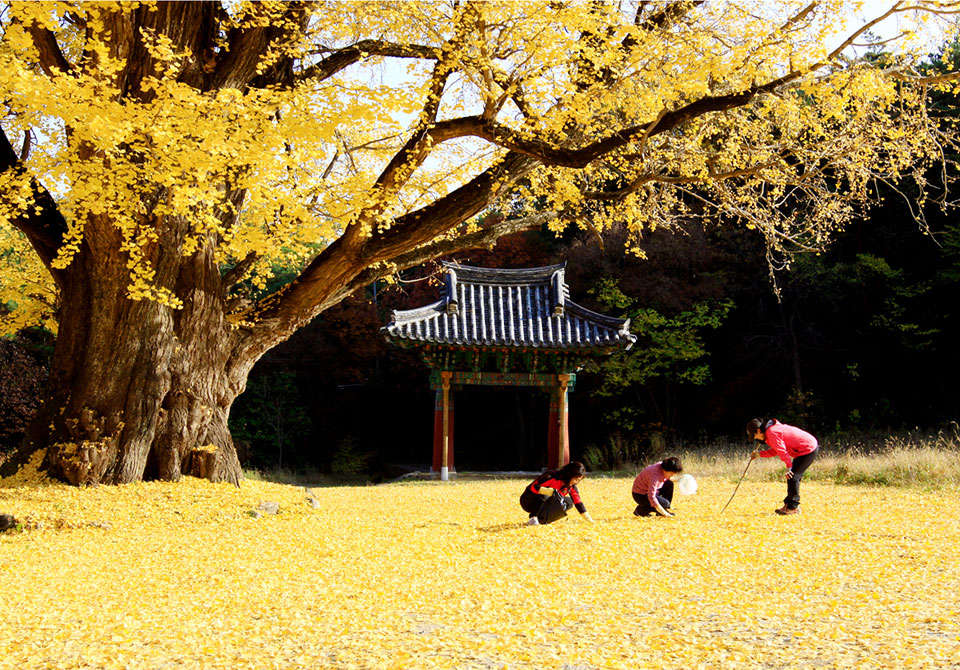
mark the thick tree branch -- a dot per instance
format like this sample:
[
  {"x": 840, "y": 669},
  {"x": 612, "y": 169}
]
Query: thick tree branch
[
  {"x": 484, "y": 238},
  {"x": 27, "y": 145},
  {"x": 797, "y": 18},
  {"x": 905, "y": 76},
  {"x": 418, "y": 147},
  {"x": 332, "y": 271},
  {"x": 663, "y": 18},
  {"x": 43, "y": 224},
  {"x": 421, "y": 226},
  {"x": 416, "y": 150},
  {"x": 237, "y": 65},
  {"x": 550, "y": 154},
  {"x": 341, "y": 59},
  {"x": 513, "y": 89},
  {"x": 351, "y": 254},
  {"x": 51, "y": 57},
  {"x": 192, "y": 25},
  {"x": 643, "y": 179}
]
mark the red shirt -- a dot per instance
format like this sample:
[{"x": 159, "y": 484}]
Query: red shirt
[
  {"x": 787, "y": 442},
  {"x": 548, "y": 479},
  {"x": 650, "y": 481}
]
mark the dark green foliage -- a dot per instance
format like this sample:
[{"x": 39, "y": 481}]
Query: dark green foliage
[
  {"x": 669, "y": 350},
  {"x": 619, "y": 452},
  {"x": 271, "y": 418}
]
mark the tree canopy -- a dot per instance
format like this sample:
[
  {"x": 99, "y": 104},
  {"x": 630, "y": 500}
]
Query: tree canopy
[{"x": 159, "y": 159}]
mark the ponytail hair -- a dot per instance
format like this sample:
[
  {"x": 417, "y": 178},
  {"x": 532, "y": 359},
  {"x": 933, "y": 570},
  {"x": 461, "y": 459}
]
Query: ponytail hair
[
  {"x": 571, "y": 471},
  {"x": 760, "y": 424},
  {"x": 671, "y": 464}
]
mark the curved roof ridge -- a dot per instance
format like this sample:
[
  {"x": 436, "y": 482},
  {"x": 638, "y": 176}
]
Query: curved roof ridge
[
  {"x": 402, "y": 315},
  {"x": 604, "y": 319},
  {"x": 477, "y": 275}
]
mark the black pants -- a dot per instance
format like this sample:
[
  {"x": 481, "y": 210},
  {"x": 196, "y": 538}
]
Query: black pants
[
  {"x": 664, "y": 497},
  {"x": 800, "y": 465},
  {"x": 532, "y": 503}
]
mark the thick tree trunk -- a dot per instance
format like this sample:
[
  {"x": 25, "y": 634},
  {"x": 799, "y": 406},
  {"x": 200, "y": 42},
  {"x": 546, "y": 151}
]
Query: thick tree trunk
[{"x": 138, "y": 390}]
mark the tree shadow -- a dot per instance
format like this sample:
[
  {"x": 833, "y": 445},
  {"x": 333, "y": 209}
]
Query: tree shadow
[{"x": 501, "y": 527}]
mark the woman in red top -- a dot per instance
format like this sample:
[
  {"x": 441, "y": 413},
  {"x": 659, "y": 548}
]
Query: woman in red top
[
  {"x": 562, "y": 482},
  {"x": 796, "y": 448}
]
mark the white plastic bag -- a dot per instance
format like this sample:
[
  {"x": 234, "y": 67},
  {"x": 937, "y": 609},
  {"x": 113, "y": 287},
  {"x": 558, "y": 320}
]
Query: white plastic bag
[{"x": 686, "y": 485}]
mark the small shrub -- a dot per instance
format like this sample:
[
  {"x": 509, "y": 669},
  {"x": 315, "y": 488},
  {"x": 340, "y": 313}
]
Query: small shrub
[
  {"x": 348, "y": 459},
  {"x": 619, "y": 453}
]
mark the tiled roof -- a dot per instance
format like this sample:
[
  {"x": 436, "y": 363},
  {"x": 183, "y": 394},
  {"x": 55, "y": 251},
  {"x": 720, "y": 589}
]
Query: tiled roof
[{"x": 527, "y": 307}]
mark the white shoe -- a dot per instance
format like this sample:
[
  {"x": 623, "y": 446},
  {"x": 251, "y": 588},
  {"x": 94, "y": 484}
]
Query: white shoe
[{"x": 534, "y": 521}]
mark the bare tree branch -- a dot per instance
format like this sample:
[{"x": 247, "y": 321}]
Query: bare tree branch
[
  {"x": 484, "y": 238},
  {"x": 895, "y": 9}
]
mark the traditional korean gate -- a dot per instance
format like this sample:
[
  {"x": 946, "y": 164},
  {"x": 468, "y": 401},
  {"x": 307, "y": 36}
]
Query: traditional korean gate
[{"x": 502, "y": 327}]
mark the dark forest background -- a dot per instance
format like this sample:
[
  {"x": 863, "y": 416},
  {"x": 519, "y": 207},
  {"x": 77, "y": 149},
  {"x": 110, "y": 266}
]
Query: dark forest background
[
  {"x": 862, "y": 341},
  {"x": 857, "y": 341}
]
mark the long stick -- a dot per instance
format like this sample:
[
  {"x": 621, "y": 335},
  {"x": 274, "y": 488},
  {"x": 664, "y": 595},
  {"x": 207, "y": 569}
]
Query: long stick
[{"x": 738, "y": 484}]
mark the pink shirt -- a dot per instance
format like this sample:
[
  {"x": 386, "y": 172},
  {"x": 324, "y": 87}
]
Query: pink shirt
[
  {"x": 650, "y": 481},
  {"x": 787, "y": 442}
]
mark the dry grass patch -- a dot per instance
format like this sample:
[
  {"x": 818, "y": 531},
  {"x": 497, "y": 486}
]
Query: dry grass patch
[{"x": 912, "y": 461}]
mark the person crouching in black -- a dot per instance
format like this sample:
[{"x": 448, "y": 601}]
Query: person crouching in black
[{"x": 550, "y": 495}]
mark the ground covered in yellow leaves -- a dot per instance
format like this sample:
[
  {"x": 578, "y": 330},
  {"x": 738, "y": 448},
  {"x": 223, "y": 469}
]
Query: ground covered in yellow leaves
[{"x": 433, "y": 575}]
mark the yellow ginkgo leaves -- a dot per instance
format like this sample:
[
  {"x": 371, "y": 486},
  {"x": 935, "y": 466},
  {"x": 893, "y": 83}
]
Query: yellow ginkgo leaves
[{"x": 430, "y": 575}]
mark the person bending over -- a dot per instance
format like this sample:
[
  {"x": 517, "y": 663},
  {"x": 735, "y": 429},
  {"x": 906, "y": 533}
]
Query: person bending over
[
  {"x": 548, "y": 497},
  {"x": 653, "y": 487},
  {"x": 796, "y": 448}
]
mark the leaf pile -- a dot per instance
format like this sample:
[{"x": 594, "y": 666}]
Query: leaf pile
[{"x": 432, "y": 575}]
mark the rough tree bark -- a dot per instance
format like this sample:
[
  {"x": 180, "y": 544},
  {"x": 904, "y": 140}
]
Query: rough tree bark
[{"x": 138, "y": 390}]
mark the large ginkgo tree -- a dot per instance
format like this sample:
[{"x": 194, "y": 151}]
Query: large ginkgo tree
[{"x": 158, "y": 159}]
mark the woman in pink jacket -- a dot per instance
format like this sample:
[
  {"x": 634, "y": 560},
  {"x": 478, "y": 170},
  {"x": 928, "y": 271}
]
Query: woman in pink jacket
[
  {"x": 653, "y": 488},
  {"x": 796, "y": 448}
]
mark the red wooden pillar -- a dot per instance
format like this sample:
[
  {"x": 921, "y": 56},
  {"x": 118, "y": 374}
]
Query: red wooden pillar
[
  {"x": 558, "y": 434},
  {"x": 443, "y": 428}
]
